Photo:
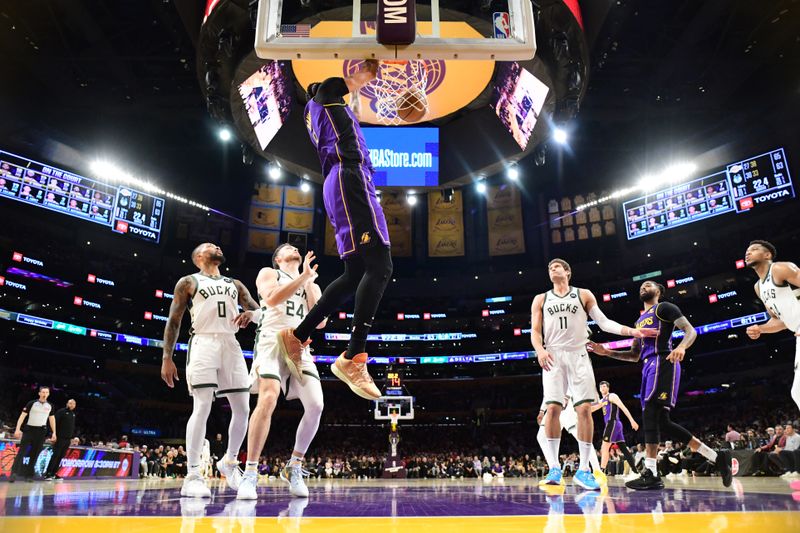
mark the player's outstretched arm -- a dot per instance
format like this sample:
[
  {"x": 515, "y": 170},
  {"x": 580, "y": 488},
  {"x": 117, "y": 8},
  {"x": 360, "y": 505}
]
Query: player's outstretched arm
[
  {"x": 252, "y": 312},
  {"x": 630, "y": 355},
  {"x": 180, "y": 300},
  {"x": 367, "y": 72},
  {"x": 605, "y": 323}
]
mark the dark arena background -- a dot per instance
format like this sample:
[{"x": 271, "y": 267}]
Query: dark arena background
[{"x": 636, "y": 140}]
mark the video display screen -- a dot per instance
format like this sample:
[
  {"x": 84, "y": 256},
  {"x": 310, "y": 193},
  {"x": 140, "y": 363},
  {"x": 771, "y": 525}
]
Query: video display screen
[
  {"x": 267, "y": 99},
  {"x": 122, "y": 209},
  {"x": 759, "y": 180},
  {"x": 517, "y": 99},
  {"x": 404, "y": 157}
]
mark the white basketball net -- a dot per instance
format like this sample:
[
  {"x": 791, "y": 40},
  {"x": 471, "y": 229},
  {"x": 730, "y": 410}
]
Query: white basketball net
[{"x": 399, "y": 88}]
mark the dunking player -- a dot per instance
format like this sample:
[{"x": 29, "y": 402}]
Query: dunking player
[
  {"x": 661, "y": 375},
  {"x": 612, "y": 434},
  {"x": 358, "y": 222},
  {"x": 569, "y": 421},
  {"x": 559, "y": 320},
  {"x": 774, "y": 287},
  {"x": 214, "y": 362},
  {"x": 286, "y": 295}
]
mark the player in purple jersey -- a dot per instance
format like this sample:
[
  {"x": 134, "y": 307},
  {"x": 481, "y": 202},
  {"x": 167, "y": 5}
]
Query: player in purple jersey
[
  {"x": 612, "y": 433},
  {"x": 661, "y": 374},
  {"x": 362, "y": 237}
]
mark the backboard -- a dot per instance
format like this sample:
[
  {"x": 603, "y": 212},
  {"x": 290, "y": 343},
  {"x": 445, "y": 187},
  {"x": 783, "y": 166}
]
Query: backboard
[
  {"x": 353, "y": 33},
  {"x": 397, "y": 407}
]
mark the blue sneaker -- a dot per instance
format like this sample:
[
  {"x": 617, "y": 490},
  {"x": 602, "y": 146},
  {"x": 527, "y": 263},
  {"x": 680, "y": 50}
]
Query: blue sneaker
[
  {"x": 585, "y": 479},
  {"x": 553, "y": 477}
]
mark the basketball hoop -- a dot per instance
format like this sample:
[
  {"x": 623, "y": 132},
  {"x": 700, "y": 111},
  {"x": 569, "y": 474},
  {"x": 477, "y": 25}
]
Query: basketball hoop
[{"x": 399, "y": 89}]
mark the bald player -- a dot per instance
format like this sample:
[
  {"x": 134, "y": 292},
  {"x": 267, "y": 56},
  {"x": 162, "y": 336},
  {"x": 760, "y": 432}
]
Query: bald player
[{"x": 214, "y": 362}]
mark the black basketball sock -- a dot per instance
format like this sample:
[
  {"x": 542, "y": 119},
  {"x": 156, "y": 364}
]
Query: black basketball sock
[{"x": 628, "y": 456}]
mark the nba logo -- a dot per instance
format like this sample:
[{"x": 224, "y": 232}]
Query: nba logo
[
  {"x": 746, "y": 203},
  {"x": 502, "y": 28},
  {"x": 122, "y": 227}
]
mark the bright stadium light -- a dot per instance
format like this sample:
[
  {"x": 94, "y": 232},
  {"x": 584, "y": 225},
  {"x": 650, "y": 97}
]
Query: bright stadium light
[
  {"x": 480, "y": 187},
  {"x": 560, "y": 135},
  {"x": 274, "y": 172},
  {"x": 512, "y": 172},
  {"x": 225, "y": 134},
  {"x": 304, "y": 186},
  {"x": 411, "y": 198}
]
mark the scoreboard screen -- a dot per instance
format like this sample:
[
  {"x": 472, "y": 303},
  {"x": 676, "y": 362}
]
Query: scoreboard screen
[
  {"x": 742, "y": 186},
  {"x": 121, "y": 208}
]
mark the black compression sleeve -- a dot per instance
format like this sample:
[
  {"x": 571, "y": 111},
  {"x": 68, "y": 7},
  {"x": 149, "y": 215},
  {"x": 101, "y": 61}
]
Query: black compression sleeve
[{"x": 668, "y": 312}]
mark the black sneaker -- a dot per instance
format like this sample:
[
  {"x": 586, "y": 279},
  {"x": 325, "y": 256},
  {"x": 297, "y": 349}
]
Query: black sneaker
[
  {"x": 723, "y": 466},
  {"x": 646, "y": 481},
  {"x": 49, "y": 477}
]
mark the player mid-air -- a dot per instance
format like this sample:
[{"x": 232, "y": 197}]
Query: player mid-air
[
  {"x": 774, "y": 287},
  {"x": 362, "y": 237},
  {"x": 560, "y": 333},
  {"x": 286, "y": 295},
  {"x": 612, "y": 433},
  {"x": 214, "y": 361},
  {"x": 661, "y": 377}
]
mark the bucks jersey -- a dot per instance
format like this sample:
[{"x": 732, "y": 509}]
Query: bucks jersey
[
  {"x": 214, "y": 305},
  {"x": 564, "y": 321},
  {"x": 780, "y": 300},
  {"x": 286, "y": 314}
]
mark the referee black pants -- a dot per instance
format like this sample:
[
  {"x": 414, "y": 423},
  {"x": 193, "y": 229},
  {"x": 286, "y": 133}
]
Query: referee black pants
[
  {"x": 59, "y": 449},
  {"x": 29, "y": 446}
]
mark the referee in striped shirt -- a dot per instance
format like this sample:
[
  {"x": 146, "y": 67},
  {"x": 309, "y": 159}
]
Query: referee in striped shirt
[{"x": 33, "y": 434}]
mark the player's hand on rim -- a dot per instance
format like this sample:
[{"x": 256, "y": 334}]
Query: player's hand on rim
[
  {"x": 169, "y": 372},
  {"x": 545, "y": 360}
]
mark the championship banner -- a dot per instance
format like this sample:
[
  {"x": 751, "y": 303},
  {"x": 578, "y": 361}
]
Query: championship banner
[
  {"x": 504, "y": 217},
  {"x": 445, "y": 225},
  {"x": 297, "y": 199},
  {"x": 330, "y": 239},
  {"x": 398, "y": 222},
  {"x": 297, "y": 220},
  {"x": 262, "y": 241},
  {"x": 268, "y": 194},
  {"x": 265, "y": 217}
]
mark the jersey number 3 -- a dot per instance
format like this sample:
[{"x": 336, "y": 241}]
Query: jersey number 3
[{"x": 291, "y": 310}]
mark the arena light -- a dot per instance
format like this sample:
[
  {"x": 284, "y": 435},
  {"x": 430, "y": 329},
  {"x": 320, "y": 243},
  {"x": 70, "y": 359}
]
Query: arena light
[
  {"x": 411, "y": 198},
  {"x": 225, "y": 134},
  {"x": 560, "y": 135},
  {"x": 512, "y": 172},
  {"x": 304, "y": 186},
  {"x": 109, "y": 172},
  {"x": 481, "y": 187},
  {"x": 274, "y": 171}
]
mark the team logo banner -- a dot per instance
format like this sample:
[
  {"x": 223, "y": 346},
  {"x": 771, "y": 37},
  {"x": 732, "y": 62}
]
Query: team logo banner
[
  {"x": 268, "y": 194},
  {"x": 297, "y": 199},
  {"x": 265, "y": 217},
  {"x": 330, "y": 239},
  {"x": 298, "y": 220},
  {"x": 504, "y": 214},
  {"x": 262, "y": 241},
  {"x": 398, "y": 222},
  {"x": 445, "y": 225}
]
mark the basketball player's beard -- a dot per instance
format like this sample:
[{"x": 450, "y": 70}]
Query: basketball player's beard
[
  {"x": 217, "y": 258},
  {"x": 647, "y": 296}
]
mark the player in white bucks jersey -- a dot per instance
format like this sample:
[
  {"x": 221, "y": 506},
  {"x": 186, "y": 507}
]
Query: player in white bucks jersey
[
  {"x": 559, "y": 333},
  {"x": 286, "y": 296},
  {"x": 774, "y": 287},
  {"x": 214, "y": 362}
]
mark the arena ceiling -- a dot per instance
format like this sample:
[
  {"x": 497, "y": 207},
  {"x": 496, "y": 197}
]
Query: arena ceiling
[{"x": 95, "y": 77}]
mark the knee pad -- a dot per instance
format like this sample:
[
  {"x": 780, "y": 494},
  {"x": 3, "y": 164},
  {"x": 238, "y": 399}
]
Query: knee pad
[{"x": 650, "y": 419}]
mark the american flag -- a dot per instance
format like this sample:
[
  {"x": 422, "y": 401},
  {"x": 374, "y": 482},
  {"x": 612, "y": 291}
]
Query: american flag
[{"x": 295, "y": 30}]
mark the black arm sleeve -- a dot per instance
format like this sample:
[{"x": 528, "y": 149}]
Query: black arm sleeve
[
  {"x": 668, "y": 312},
  {"x": 331, "y": 91}
]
